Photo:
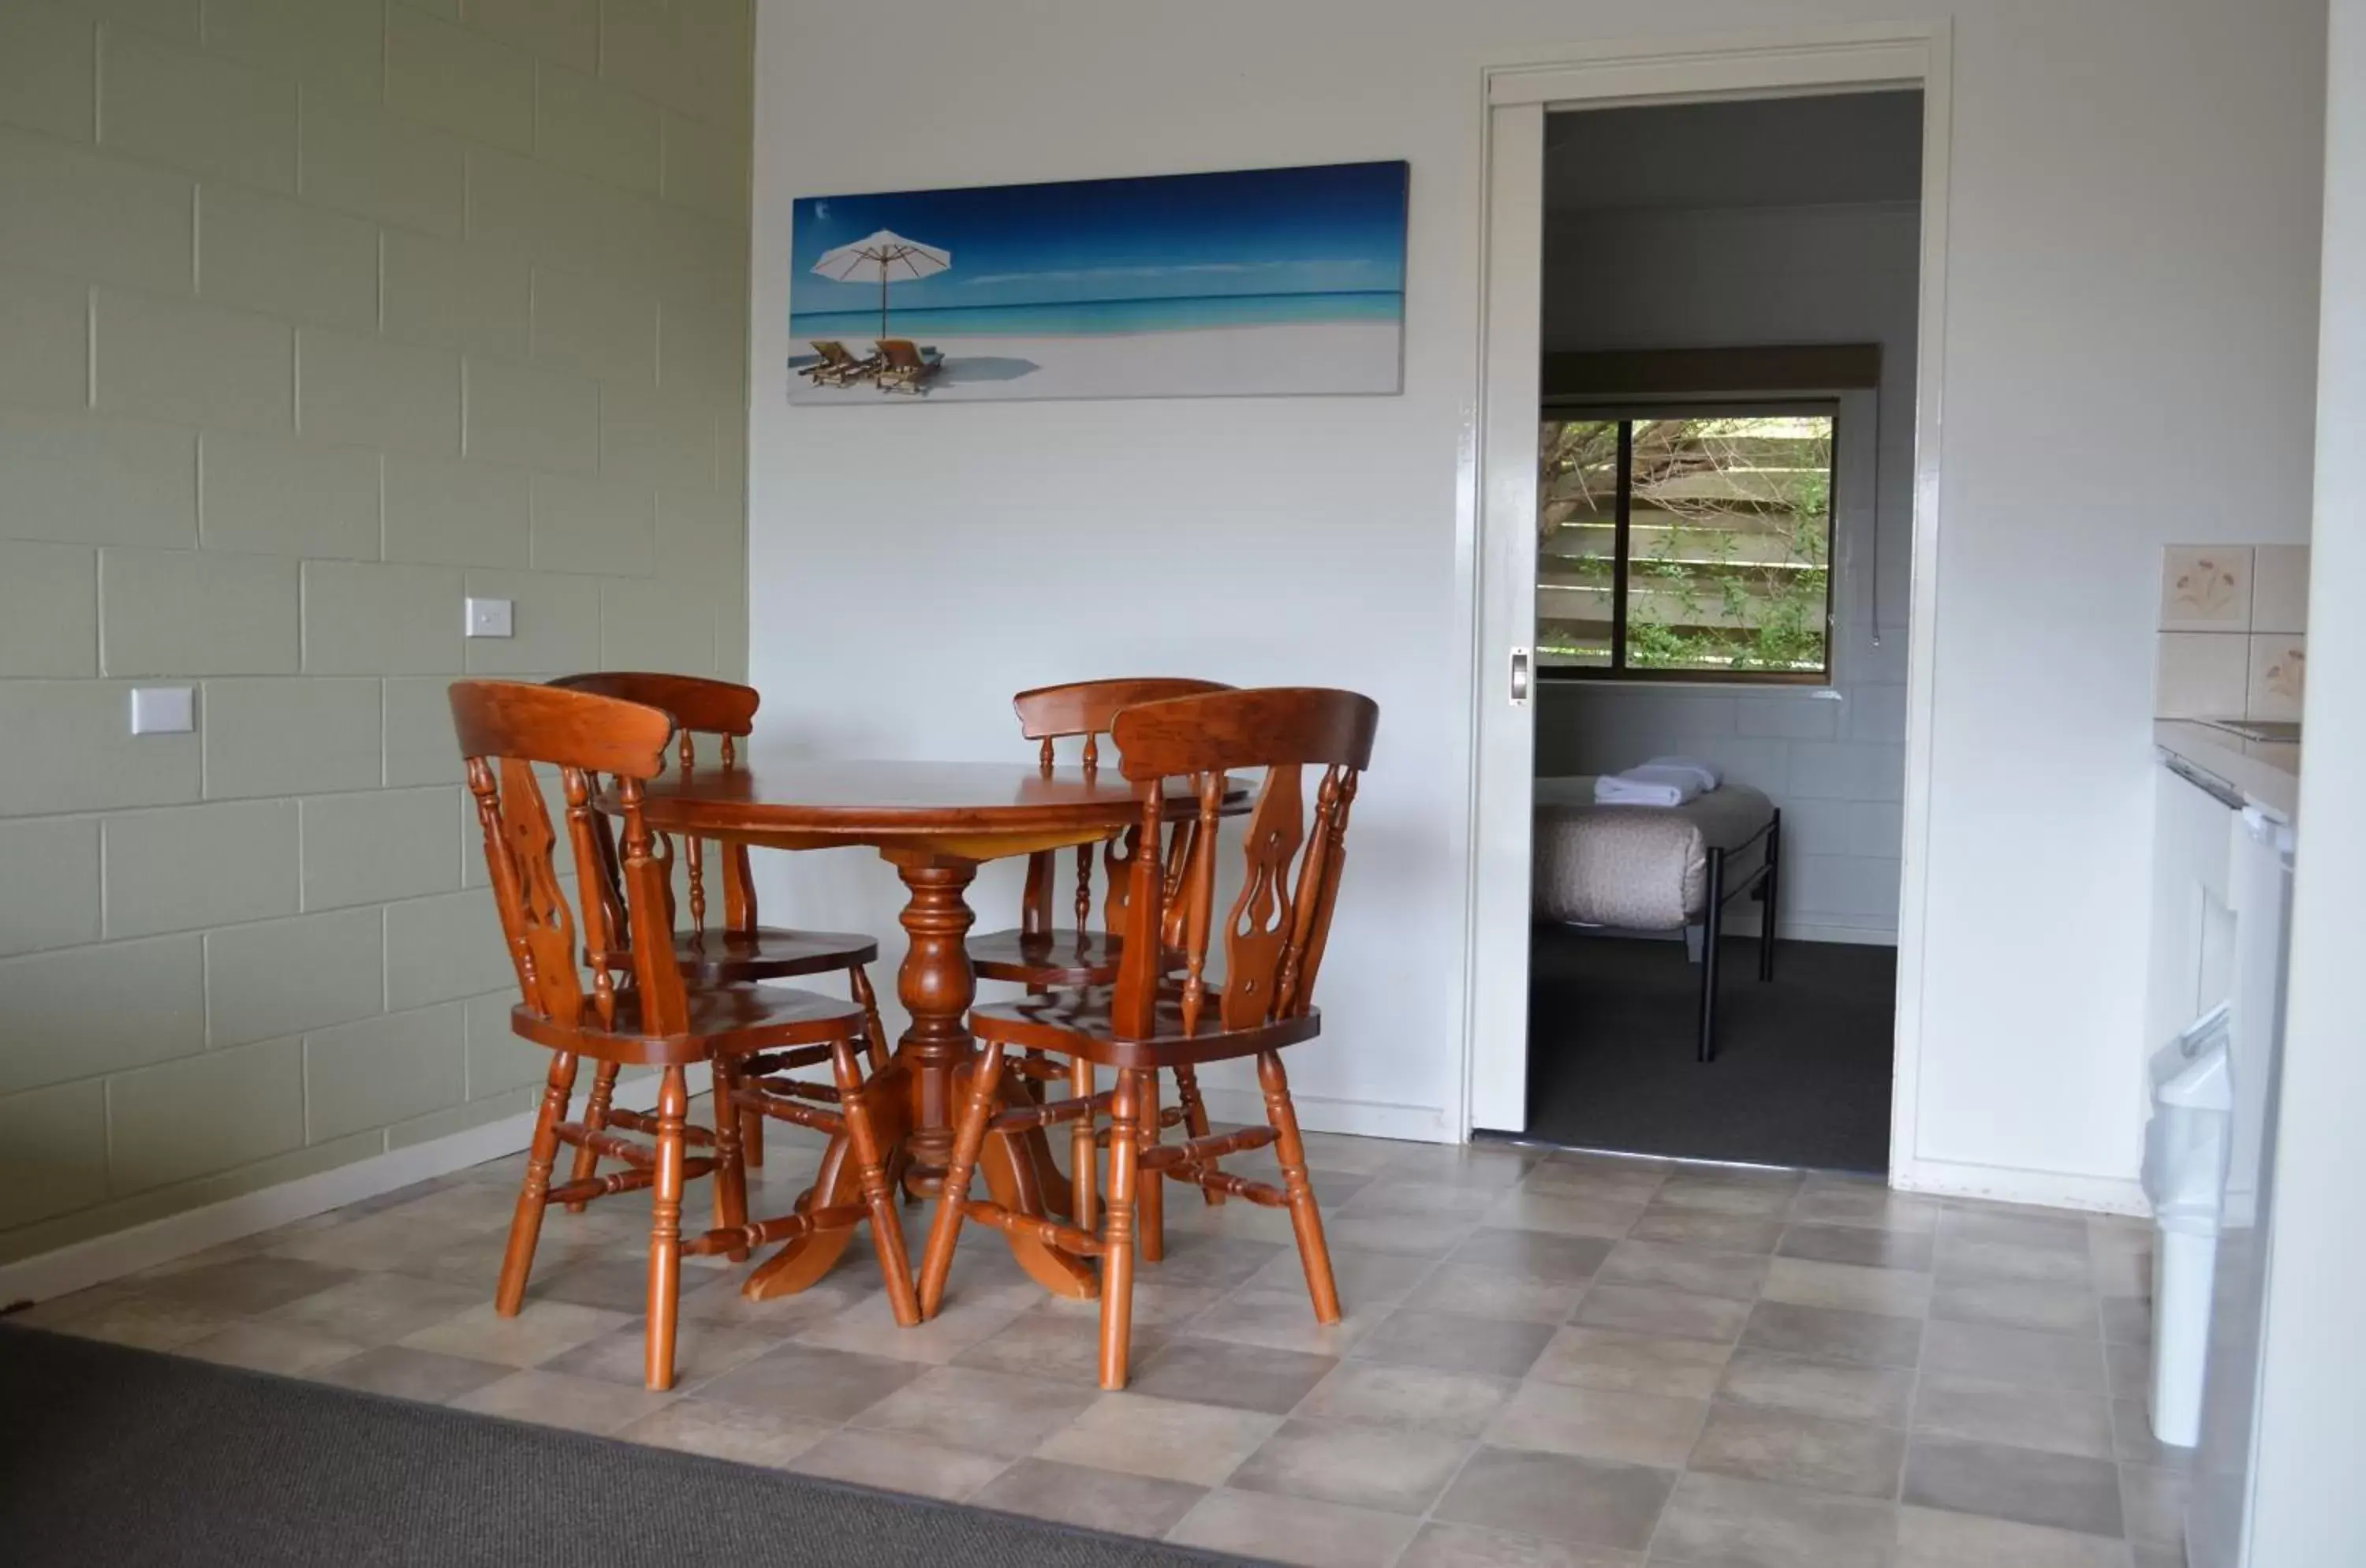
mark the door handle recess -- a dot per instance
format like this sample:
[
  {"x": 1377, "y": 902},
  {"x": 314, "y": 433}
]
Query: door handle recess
[{"x": 1523, "y": 676}]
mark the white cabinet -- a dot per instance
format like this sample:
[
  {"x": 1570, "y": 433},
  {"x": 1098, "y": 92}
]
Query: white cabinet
[{"x": 2194, "y": 830}]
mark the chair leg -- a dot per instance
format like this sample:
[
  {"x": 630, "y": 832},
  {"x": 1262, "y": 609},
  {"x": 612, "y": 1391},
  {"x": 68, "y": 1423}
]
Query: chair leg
[
  {"x": 878, "y": 1195},
  {"x": 1195, "y": 1118},
  {"x": 874, "y": 1034},
  {"x": 595, "y": 1119},
  {"x": 752, "y": 1139},
  {"x": 664, "y": 1233},
  {"x": 1117, "y": 1234},
  {"x": 1084, "y": 1158},
  {"x": 1150, "y": 1198},
  {"x": 969, "y": 1141},
  {"x": 526, "y": 1224},
  {"x": 1305, "y": 1217},
  {"x": 730, "y": 1173}
]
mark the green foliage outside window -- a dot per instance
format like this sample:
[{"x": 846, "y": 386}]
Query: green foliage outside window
[{"x": 1727, "y": 529}]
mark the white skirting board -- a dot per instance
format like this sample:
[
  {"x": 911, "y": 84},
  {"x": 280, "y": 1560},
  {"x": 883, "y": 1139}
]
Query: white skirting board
[
  {"x": 111, "y": 1257},
  {"x": 2045, "y": 1188},
  {"x": 1316, "y": 1114}
]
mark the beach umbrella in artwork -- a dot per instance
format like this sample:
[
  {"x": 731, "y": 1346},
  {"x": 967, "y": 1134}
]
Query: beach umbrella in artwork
[{"x": 889, "y": 257}]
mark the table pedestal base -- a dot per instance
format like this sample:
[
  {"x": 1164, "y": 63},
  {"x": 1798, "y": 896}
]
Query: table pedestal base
[{"x": 914, "y": 1098}]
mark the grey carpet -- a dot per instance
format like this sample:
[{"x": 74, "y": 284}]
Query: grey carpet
[
  {"x": 1803, "y": 1067},
  {"x": 118, "y": 1457}
]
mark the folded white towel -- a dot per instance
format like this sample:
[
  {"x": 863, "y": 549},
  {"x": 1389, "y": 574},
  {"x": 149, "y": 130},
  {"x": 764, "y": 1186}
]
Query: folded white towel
[
  {"x": 1709, "y": 774},
  {"x": 1648, "y": 785}
]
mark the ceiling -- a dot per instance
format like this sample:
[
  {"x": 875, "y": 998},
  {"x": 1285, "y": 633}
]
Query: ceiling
[{"x": 1852, "y": 147}]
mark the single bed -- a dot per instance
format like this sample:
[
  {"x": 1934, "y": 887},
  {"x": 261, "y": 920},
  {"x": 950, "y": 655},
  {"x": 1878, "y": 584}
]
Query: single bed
[{"x": 1659, "y": 868}]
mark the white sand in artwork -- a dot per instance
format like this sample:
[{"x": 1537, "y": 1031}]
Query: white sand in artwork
[{"x": 1323, "y": 356}]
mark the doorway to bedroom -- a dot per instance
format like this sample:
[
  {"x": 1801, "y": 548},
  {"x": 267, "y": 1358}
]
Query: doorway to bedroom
[{"x": 1724, "y": 528}]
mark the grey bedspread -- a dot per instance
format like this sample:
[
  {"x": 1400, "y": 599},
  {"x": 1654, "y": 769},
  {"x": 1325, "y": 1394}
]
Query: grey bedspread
[{"x": 1640, "y": 867}]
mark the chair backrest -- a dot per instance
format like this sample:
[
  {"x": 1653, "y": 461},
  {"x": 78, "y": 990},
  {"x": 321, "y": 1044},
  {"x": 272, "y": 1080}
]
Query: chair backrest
[
  {"x": 901, "y": 354},
  {"x": 1084, "y": 708},
  {"x": 832, "y": 352},
  {"x": 1275, "y": 933},
  {"x": 698, "y": 705},
  {"x": 505, "y": 728}
]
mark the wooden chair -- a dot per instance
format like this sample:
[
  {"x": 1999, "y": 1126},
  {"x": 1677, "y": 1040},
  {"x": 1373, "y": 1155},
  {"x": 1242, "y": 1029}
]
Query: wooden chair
[
  {"x": 1042, "y": 957},
  {"x": 738, "y": 949},
  {"x": 1272, "y": 947},
  {"x": 644, "y": 1014}
]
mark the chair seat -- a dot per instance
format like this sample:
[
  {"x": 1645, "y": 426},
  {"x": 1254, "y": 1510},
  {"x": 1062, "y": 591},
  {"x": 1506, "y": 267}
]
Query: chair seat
[
  {"x": 1080, "y": 1023},
  {"x": 1046, "y": 959},
  {"x": 769, "y": 952},
  {"x": 725, "y": 1019}
]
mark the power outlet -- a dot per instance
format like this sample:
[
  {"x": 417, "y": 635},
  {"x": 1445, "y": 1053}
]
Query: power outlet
[
  {"x": 488, "y": 617},
  {"x": 163, "y": 710}
]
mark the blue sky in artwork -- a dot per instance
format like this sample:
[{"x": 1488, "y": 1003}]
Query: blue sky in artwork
[{"x": 1331, "y": 229}]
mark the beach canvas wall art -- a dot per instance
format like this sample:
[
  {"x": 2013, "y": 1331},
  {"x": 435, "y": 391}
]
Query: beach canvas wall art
[{"x": 1263, "y": 282}]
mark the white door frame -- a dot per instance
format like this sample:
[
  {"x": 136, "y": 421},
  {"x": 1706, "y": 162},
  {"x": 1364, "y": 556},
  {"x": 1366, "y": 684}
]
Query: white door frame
[{"x": 1500, "y": 490}]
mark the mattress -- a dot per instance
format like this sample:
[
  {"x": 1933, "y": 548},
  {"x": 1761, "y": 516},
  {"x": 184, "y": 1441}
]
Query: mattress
[{"x": 1638, "y": 867}]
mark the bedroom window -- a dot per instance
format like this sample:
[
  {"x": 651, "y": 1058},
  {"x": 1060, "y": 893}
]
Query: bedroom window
[{"x": 1693, "y": 546}]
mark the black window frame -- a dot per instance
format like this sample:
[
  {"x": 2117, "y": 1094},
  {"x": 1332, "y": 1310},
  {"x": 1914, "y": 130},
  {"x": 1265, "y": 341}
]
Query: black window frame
[{"x": 1626, "y": 412}]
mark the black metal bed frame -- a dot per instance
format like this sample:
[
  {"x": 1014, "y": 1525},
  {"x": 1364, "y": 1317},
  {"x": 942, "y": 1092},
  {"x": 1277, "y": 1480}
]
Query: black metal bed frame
[{"x": 1764, "y": 885}]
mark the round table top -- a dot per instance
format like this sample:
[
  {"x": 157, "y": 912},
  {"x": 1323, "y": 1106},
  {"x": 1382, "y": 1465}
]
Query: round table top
[{"x": 867, "y": 802}]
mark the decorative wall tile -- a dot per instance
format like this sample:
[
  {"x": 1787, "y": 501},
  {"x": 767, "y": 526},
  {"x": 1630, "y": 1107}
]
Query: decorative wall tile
[
  {"x": 2278, "y": 677},
  {"x": 2280, "y": 588},
  {"x": 2202, "y": 675},
  {"x": 2205, "y": 588}
]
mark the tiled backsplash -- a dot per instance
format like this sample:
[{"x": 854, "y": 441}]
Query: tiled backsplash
[{"x": 2234, "y": 620}]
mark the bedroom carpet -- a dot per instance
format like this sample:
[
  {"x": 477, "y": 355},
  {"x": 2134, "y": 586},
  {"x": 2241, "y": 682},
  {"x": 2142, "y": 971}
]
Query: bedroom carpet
[{"x": 1803, "y": 1064}]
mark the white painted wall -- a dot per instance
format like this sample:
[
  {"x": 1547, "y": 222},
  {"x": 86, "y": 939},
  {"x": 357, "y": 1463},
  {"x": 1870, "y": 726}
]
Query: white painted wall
[
  {"x": 1729, "y": 277},
  {"x": 2126, "y": 268},
  {"x": 2310, "y": 1448}
]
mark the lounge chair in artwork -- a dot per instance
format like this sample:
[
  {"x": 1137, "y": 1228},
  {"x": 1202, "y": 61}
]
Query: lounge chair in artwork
[
  {"x": 837, "y": 365},
  {"x": 906, "y": 367}
]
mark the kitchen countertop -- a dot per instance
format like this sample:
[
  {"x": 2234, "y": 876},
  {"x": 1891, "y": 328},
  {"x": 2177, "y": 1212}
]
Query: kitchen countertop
[{"x": 2266, "y": 773}]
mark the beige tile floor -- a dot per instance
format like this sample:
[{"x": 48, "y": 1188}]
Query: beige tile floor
[{"x": 1556, "y": 1361}]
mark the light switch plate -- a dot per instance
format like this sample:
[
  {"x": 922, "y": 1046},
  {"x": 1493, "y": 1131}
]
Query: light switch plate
[
  {"x": 163, "y": 710},
  {"x": 488, "y": 617}
]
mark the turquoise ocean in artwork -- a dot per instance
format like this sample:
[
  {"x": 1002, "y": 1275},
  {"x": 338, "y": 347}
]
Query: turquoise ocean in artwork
[{"x": 1092, "y": 317}]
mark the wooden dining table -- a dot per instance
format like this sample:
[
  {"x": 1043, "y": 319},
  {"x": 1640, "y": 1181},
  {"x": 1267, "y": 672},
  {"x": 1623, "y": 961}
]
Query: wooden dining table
[{"x": 936, "y": 823}]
